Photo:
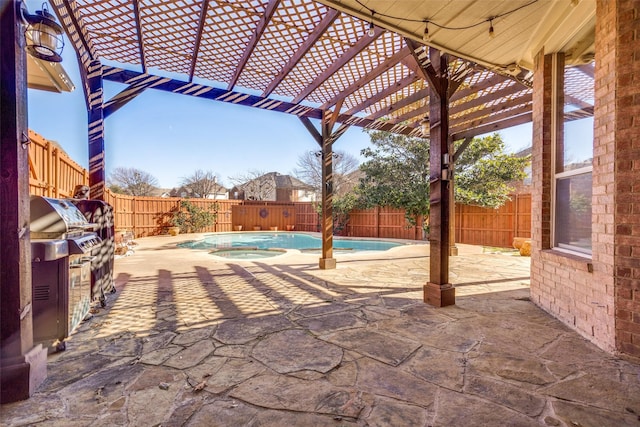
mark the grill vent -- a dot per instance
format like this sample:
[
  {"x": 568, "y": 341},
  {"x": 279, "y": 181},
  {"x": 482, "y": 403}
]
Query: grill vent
[{"x": 41, "y": 292}]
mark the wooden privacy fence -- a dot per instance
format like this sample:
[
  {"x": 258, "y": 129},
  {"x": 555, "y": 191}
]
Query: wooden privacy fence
[
  {"x": 148, "y": 216},
  {"x": 54, "y": 174},
  {"x": 383, "y": 222},
  {"x": 494, "y": 227},
  {"x": 51, "y": 172}
]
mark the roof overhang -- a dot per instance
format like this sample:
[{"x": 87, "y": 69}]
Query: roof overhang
[{"x": 49, "y": 76}]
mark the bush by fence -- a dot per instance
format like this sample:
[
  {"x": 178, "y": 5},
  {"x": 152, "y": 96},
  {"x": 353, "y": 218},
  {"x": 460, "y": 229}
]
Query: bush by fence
[{"x": 54, "y": 174}]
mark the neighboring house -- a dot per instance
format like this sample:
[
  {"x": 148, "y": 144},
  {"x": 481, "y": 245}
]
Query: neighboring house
[
  {"x": 273, "y": 186},
  {"x": 219, "y": 193}
]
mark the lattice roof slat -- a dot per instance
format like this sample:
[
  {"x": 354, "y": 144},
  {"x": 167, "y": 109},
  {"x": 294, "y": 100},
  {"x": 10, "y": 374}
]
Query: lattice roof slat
[
  {"x": 396, "y": 74},
  {"x": 282, "y": 38},
  {"x": 303, "y": 52}
]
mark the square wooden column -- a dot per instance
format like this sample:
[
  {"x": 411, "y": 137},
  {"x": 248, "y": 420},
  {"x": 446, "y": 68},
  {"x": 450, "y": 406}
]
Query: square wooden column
[
  {"x": 23, "y": 367},
  {"x": 438, "y": 291},
  {"x": 95, "y": 98},
  {"x": 327, "y": 261}
]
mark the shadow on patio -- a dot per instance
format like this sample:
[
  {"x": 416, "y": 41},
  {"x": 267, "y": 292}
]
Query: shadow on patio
[{"x": 195, "y": 341}]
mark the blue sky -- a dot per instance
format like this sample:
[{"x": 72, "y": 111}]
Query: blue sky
[{"x": 171, "y": 135}]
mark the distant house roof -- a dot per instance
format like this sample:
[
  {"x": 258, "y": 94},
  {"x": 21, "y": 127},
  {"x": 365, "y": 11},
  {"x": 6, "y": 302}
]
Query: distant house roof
[
  {"x": 185, "y": 191},
  {"x": 280, "y": 182}
]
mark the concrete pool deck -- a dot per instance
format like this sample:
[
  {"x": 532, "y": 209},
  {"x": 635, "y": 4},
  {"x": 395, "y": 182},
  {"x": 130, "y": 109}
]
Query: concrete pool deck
[{"x": 190, "y": 339}]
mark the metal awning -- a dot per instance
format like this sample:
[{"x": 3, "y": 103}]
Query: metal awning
[{"x": 303, "y": 57}]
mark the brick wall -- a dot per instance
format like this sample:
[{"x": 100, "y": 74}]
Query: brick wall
[
  {"x": 618, "y": 74},
  {"x": 576, "y": 290}
]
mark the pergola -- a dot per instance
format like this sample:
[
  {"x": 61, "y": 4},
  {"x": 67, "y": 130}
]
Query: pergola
[
  {"x": 447, "y": 70},
  {"x": 444, "y": 70}
]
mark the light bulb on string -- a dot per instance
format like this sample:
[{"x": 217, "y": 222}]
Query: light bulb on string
[
  {"x": 492, "y": 34},
  {"x": 425, "y": 36},
  {"x": 372, "y": 30}
]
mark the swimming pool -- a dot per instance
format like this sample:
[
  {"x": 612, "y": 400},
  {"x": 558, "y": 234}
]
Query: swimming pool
[{"x": 284, "y": 240}]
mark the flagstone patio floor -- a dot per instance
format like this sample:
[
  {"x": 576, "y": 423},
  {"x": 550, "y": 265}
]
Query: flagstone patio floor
[{"x": 190, "y": 339}]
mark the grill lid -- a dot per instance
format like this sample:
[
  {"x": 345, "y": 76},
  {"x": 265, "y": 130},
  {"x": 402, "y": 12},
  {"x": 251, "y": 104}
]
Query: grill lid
[{"x": 55, "y": 218}]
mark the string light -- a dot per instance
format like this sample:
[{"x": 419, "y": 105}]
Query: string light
[
  {"x": 372, "y": 31},
  {"x": 446, "y": 27},
  {"x": 492, "y": 34},
  {"x": 426, "y": 37}
]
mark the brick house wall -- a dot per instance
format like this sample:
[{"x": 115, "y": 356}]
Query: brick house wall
[
  {"x": 620, "y": 133},
  {"x": 597, "y": 297}
]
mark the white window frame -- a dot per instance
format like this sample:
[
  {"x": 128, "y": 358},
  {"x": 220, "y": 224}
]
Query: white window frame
[{"x": 555, "y": 176}]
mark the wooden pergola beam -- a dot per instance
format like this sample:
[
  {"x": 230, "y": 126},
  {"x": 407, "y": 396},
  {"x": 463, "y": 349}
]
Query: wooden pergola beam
[
  {"x": 423, "y": 93},
  {"x": 494, "y": 127},
  {"x": 196, "y": 47},
  {"x": 386, "y": 92},
  {"x": 63, "y": 10},
  {"x": 347, "y": 56},
  {"x": 131, "y": 92},
  {"x": 508, "y": 104},
  {"x": 312, "y": 130},
  {"x": 487, "y": 98},
  {"x": 136, "y": 16},
  {"x": 373, "y": 74},
  {"x": 318, "y": 31},
  {"x": 253, "y": 41},
  {"x": 414, "y": 97},
  {"x": 417, "y": 113},
  {"x": 463, "y": 123},
  {"x": 129, "y": 77}
]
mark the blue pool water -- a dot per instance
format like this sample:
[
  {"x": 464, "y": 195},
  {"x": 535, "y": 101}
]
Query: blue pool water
[{"x": 283, "y": 240}]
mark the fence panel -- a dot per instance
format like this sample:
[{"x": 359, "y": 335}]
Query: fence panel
[
  {"x": 264, "y": 216},
  {"x": 51, "y": 172},
  {"x": 494, "y": 227},
  {"x": 307, "y": 218},
  {"x": 385, "y": 222}
]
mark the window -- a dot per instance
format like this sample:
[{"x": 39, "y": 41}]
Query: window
[{"x": 573, "y": 162}]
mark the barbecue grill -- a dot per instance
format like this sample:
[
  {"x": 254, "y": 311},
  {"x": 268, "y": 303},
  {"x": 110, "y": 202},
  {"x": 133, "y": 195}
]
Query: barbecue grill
[{"x": 61, "y": 247}]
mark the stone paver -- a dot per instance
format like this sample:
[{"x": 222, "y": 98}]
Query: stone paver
[{"x": 189, "y": 340}]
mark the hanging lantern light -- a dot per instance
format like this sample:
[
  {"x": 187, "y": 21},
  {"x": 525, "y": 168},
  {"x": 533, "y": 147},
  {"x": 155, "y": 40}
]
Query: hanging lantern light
[{"x": 43, "y": 35}]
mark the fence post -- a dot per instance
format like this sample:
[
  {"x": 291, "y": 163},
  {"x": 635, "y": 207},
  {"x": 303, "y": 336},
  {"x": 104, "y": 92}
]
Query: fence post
[
  {"x": 516, "y": 231},
  {"x": 56, "y": 172},
  {"x": 49, "y": 167}
]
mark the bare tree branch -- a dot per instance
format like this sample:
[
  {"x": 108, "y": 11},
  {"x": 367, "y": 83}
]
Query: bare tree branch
[
  {"x": 133, "y": 182},
  {"x": 309, "y": 171},
  {"x": 201, "y": 183}
]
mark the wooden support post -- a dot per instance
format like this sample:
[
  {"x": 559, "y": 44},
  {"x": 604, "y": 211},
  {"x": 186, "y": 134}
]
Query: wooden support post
[
  {"x": 327, "y": 261},
  {"x": 23, "y": 367},
  {"x": 95, "y": 99},
  {"x": 439, "y": 292}
]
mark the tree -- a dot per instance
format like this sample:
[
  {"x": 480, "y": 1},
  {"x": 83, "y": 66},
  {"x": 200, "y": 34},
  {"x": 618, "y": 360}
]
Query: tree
[
  {"x": 345, "y": 180},
  {"x": 191, "y": 218},
  {"x": 201, "y": 183},
  {"x": 397, "y": 173},
  {"x": 484, "y": 171},
  {"x": 133, "y": 182},
  {"x": 309, "y": 171}
]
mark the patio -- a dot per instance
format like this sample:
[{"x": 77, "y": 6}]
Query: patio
[{"x": 191, "y": 340}]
